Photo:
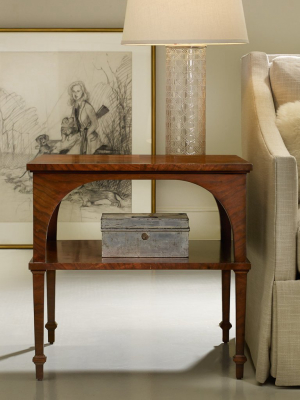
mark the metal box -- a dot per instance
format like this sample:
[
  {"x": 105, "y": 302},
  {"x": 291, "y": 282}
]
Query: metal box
[{"x": 145, "y": 235}]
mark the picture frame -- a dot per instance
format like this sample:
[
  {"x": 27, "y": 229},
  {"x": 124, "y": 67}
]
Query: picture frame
[{"x": 57, "y": 47}]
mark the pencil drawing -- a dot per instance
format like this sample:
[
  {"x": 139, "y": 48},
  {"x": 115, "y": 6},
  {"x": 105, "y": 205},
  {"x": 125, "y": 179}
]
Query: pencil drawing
[{"x": 90, "y": 112}]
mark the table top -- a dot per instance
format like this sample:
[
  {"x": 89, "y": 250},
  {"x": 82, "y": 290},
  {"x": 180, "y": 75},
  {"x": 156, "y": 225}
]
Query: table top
[{"x": 139, "y": 163}]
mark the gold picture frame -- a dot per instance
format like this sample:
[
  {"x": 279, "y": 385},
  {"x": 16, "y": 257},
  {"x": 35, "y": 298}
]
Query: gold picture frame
[{"x": 153, "y": 99}]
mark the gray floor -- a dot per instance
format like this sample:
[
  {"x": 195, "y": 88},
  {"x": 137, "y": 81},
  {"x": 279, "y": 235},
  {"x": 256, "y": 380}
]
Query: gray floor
[{"x": 123, "y": 335}]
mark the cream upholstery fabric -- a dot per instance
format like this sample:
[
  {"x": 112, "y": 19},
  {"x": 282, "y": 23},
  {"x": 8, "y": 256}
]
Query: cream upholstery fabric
[
  {"x": 272, "y": 205},
  {"x": 285, "y": 79},
  {"x": 298, "y": 241},
  {"x": 286, "y": 333}
]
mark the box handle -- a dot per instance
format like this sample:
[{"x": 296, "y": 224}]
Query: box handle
[{"x": 145, "y": 236}]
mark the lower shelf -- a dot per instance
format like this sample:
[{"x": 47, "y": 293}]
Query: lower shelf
[{"x": 86, "y": 255}]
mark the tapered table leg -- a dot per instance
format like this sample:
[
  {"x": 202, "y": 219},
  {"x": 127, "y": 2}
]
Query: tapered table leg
[
  {"x": 226, "y": 249},
  {"x": 51, "y": 325},
  {"x": 38, "y": 300},
  {"x": 225, "y": 324},
  {"x": 241, "y": 285}
]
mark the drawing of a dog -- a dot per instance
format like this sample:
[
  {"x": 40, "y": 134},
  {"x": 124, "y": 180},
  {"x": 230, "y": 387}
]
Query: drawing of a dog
[{"x": 89, "y": 197}]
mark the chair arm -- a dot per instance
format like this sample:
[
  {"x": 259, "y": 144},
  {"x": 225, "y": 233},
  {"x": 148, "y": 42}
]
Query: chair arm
[
  {"x": 272, "y": 203},
  {"x": 273, "y": 184}
]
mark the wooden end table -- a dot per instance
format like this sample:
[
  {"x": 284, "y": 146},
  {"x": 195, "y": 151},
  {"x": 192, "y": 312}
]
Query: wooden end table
[{"x": 54, "y": 176}]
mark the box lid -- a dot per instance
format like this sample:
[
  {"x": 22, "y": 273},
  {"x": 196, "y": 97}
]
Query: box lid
[{"x": 158, "y": 221}]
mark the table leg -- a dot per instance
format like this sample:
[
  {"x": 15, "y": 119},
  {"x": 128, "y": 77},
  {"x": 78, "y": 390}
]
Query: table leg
[
  {"x": 241, "y": 285},
  {"x": 38, "y": 300},
  {"x": 226, "y": 249},
  {"x": 51, "y": 325},
  {"x": 225, "y": 324}
]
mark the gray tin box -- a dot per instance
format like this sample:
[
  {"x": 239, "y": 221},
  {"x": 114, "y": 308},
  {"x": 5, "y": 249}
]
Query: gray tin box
[{"x": 145, "y": 235}]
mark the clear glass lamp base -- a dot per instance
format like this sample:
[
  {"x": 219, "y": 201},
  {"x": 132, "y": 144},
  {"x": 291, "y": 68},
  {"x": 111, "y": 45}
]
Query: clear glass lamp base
[{"x": 186, "y": 98}]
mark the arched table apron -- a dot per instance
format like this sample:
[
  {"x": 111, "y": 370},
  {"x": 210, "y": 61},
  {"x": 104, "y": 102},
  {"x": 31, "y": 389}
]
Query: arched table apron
[{"x": 49, "y": 189}]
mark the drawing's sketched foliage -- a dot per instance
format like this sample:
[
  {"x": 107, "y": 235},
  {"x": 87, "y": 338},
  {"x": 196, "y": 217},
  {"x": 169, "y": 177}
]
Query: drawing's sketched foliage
[{"x": 63, "y": 103}]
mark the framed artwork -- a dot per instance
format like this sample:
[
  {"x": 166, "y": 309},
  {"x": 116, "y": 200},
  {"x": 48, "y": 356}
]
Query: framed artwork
[{"x": 72, "y": 92}]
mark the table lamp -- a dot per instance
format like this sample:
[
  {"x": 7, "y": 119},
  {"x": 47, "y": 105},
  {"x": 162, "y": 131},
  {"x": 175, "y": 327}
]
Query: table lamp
[{"x": 185, "y": 27}]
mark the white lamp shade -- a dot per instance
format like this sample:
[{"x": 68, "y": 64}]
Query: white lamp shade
[{"x": 184, "y": 22}]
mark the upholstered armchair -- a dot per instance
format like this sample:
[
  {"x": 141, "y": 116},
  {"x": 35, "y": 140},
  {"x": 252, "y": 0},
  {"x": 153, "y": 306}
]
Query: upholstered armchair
[{"x": 273, "y": 294}]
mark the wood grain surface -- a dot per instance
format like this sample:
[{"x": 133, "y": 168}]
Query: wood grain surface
[
  {"x": 51, "y": 325},
  {"x": 226, "y": 245},
  {"x": 87, "y": 255},
  {"x": 240, "y": 304},
  {"x": 49, "y": 189},
  {"x": 145, "y": 163},
  {"x": 38, "y": 303}
]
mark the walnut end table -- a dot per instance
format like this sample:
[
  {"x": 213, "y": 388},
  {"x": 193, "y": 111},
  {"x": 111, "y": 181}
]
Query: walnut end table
[{"x": 54, "y": 176}]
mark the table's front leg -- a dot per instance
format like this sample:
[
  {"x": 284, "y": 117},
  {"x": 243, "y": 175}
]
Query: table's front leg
[
  {"x": 233, "y": 199},
  {"x": 38, "y": 301},
  {"x": 45, "y": 205},
  {"x": 235, "y": 205},
  {"x": 51, "y": 324},
  {"x": 230, "y": 192}
]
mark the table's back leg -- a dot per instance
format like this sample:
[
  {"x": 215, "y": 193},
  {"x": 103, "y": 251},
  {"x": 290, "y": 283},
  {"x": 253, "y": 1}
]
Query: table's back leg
[
  {"x": 240, "y": 288},
  {"x": 51, "y": 325},
  {"x": 38, "y": 298},
  {"x": 225, "y": 226},
  {"x": 52, "y": 227},
  {"x": 225, "y": 323},
  {"x": 226, "y": 275}
]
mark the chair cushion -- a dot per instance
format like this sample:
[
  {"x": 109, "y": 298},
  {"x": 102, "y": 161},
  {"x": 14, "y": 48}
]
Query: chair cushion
[
  {"x": 285, "y": 79},
  {"x": 288, "y": 124}
]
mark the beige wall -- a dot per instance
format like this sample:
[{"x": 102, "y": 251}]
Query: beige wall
[
  {"x": 273, "y": 27},
  {"x": 62, "y": 13}
]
